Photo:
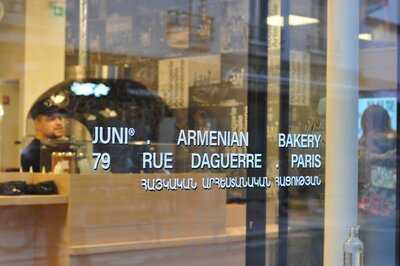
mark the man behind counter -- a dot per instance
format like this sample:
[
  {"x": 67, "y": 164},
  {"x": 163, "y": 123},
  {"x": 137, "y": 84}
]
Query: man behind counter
[{"x": 49, "y": 126}]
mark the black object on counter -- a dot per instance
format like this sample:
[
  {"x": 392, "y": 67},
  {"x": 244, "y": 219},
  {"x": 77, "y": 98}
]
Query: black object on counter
[
  {"x": 44, "y": 188},
  {"x": 22, "y": 188},
  {"x": 13, "y": 188}
]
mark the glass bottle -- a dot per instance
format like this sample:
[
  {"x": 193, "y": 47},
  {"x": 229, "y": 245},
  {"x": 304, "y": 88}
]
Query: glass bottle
[{"x": 354, "y": 249}]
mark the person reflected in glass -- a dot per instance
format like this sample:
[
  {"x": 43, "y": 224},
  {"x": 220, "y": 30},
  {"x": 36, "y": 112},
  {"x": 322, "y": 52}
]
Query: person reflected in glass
[
  {"x": 49, "y": 125},
  {"x": 377, "y": 186}
]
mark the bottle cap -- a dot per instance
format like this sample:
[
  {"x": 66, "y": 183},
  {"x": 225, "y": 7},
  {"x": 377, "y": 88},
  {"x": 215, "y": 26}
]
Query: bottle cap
[{"x": 354, "y": 230}]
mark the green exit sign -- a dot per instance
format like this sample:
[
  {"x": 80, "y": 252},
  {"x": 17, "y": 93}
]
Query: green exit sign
[{"x": 57, "y": 9}]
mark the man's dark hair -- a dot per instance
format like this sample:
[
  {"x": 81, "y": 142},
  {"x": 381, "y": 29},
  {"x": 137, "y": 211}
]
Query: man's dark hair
[
  {"x": 44, "y": 108},
  {"x": 375, "y": 118}
]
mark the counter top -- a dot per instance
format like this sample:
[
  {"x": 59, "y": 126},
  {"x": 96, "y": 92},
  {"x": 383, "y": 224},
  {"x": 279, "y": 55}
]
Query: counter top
[{"x": 33, "y": 200}]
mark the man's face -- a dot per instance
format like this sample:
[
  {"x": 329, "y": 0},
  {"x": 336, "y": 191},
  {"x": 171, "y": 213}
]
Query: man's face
[{"x": 51, "y": 127}]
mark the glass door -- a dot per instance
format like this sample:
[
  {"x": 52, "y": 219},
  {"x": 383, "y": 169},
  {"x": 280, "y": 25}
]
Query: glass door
[{"x": 198, "y": 132}]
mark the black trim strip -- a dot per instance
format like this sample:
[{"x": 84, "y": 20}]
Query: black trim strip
[
  {"x": 283, "y": 217},
  {"x": 397, "y": 243},
  {"x": 257, "y": 120}
]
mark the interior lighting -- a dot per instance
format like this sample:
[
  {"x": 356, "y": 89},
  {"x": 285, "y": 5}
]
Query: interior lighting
[
  {"x": 275, "y": 21},
  {"x": 88, "y": 89},
  {"x": 365, "y": 36},
  {"x": 58, "y": 98},
  {"x": 108, "y": 113},
  {"x": 294, "y": 20}
]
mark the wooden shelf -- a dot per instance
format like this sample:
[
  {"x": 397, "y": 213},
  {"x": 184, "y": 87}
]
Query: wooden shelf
[{"x": 33, "y": 200}]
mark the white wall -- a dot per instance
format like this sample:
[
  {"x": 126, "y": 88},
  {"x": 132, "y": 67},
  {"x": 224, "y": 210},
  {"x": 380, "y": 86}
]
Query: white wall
[{"x": 44, "y": 62}]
